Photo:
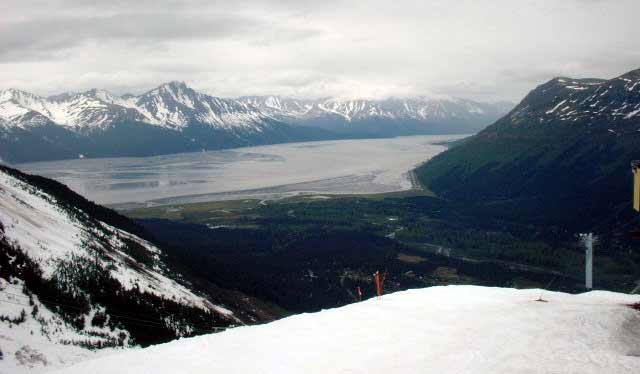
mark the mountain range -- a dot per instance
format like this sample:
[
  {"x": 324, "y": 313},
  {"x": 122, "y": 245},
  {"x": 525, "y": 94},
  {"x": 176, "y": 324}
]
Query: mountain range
[
  {"x": 561, "y": 156},
  {"x": 175, "y": 118}
]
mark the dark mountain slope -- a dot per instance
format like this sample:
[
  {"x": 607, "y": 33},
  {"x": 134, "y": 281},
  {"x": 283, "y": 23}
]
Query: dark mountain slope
[{"x": 560, "y": 157}]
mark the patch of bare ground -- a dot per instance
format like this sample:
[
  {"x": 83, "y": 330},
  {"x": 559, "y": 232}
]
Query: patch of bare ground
[{"x": 410, "y": 258}]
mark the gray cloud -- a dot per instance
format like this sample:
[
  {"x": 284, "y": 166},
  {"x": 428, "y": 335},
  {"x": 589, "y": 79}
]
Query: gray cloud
[
  {"x": 315, "y": 48},
  {"x": 44, "y": 37}
]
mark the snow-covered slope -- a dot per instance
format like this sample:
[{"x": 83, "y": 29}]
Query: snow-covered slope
[
  {"x": 454, "y": 329},
  {"x": 49, "y": 234},
  {"x": 71, "y": 283}
]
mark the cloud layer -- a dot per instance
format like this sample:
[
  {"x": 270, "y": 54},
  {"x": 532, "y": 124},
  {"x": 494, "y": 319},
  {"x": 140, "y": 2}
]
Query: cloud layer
[{"x": 487, "y": 50}]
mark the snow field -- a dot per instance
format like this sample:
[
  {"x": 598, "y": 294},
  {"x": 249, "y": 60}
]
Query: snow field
[{"x": 453, "y": 329}]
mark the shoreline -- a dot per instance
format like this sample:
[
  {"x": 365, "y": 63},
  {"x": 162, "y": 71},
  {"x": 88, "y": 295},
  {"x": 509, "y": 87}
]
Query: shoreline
[{"x": 268, "y": 194}]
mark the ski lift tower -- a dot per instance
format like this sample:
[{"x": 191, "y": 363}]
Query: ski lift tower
[
  {"x": 588, "y": 240},
  {"x": 635, "y": 167},
  {"x": 635, "y": 234}
]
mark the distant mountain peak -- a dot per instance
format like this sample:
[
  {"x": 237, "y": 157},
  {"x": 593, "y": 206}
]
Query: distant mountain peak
[
  {"x": 98, "y": 92},
  {"x": 16, "y": 94},
  {"x": 566, "y": 81},
  {"x": 174, "y": 85},
  {"x": 102, "y": 95}
]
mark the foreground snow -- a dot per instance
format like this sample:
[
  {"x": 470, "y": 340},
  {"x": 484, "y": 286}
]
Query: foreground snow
[{"x": 455, "y": 329}]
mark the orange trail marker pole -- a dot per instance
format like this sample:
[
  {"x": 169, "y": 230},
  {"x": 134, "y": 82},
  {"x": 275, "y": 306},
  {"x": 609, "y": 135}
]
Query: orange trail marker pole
[{"x": 379, "y": 281}]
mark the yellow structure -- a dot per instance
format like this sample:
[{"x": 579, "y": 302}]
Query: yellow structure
[{"x": 635, "y": 166}]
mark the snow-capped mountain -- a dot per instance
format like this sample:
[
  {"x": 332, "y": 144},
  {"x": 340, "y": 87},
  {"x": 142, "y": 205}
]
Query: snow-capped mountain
[
  {"x": 453, "y": 329},
  {"x": 401, "y": 116},
  {"x": 73, "y": 279},
  {"x": 174, "y": 104}
]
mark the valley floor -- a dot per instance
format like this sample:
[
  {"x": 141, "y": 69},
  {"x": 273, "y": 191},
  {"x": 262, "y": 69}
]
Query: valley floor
[{"x": 454, "y": 329}]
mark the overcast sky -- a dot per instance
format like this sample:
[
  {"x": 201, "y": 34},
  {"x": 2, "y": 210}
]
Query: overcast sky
[{"x": 486, "y": 50}]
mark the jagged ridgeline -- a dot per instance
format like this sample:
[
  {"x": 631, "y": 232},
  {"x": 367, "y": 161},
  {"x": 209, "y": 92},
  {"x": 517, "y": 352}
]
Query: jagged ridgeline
[
  {"x": 561, "y": 157},
  {"x": 76, "y": 273}
]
